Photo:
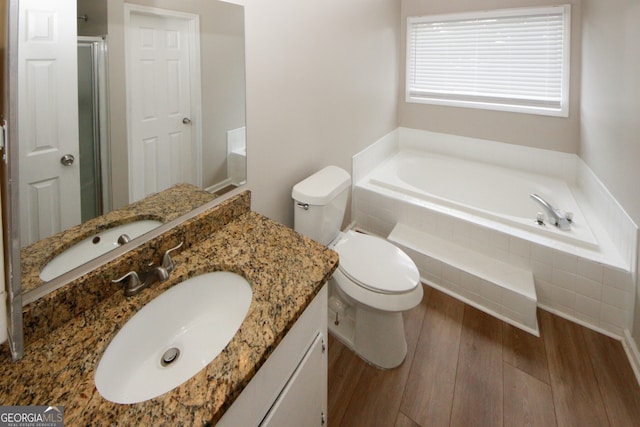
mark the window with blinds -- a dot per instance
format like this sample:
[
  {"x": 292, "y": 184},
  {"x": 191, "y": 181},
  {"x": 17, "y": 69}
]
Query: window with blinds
[{"x": 511, "y": 60}]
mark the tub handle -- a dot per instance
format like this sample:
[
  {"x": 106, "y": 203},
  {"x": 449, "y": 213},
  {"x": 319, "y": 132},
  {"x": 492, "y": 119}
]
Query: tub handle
[{"x": 304, "y": 206}]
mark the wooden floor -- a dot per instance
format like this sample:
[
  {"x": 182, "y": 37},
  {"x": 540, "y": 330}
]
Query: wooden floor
[{"x": 466, "y": 368}]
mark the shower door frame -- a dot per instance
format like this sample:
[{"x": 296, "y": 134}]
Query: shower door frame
[{"x": 102, "y": 159}]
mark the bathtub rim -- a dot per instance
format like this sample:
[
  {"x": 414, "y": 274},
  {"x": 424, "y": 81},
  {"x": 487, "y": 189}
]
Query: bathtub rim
[
  {"x": 586, "y": 239},
  {"x": 606, "y": 253}
]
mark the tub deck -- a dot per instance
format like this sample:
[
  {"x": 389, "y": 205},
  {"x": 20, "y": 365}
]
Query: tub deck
[{"x": 495, "y": 287}]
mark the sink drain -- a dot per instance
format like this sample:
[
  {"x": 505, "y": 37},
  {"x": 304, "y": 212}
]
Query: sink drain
[{"x": 170, "y": 356}]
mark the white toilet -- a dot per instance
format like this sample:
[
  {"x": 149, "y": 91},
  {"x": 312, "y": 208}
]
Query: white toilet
[{"x": 374, "y": 282}]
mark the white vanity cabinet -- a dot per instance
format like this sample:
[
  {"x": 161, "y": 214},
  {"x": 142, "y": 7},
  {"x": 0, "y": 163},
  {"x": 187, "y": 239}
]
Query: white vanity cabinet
[
  {"x": 290, "y": 389},
  {"x": 301, "y": 403}
]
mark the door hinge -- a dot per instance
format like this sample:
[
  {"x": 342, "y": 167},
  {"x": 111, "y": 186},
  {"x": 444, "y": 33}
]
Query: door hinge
[
  {"x": 323, "y": 419},
  {"x": 3, "y": 137}
]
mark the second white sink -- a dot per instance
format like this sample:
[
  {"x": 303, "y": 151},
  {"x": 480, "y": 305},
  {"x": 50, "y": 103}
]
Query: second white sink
[
  {"x": 173, "y": 337},
  {"x": 94, "y": 246}
]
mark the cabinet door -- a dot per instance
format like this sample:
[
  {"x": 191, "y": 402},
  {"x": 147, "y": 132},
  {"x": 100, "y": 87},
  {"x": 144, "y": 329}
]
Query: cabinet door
[{"x": 303, "y": 402}]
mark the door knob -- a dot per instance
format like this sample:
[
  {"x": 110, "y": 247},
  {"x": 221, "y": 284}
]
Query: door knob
[
  {"x": 67, "y": 159},
  {"x": 186, "y": 121}
]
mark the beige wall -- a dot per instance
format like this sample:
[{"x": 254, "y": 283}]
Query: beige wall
[
  {"x": 321, "y": 86},
  {"x": 611, "y": 97},
  {"x": 223, "y": 85},
  {"x": 553, "y": 133},
  {"x": 96, "y": 12},
  {"x": 610, "y": 116},
  {"x": 117, "y": 105}
]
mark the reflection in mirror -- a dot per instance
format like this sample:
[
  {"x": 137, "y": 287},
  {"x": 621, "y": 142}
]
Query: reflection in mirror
[
  {"x": 95, "y": 245},
  {"x": 144, "y": 95},
  {"x": 53, "y": 256},
  {"x": 88, "y": 115},
  {"x": 93, "y": 133}
]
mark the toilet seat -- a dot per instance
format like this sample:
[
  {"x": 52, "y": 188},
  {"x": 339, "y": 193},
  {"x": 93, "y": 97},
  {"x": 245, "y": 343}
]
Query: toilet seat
[
  {"x": 384, "y": 302},
  {"x": 393, "y": 279},
  {"x": 376, "y": 264}
]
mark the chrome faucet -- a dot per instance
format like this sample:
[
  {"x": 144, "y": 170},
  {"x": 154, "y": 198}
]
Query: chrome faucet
[
  {"x": 556, "y": 217},
  {"x": 134, "y": 282},
  {"x": 123, "y": 238}
]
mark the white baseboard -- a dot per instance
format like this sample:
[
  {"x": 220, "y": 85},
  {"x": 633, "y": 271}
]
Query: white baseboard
[
  {"x": 580, "y": 322},
  {"x": 218, "y": 186},
  {"x": 631, "y": 348}
]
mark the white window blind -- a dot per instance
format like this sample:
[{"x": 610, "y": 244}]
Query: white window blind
[{"x": 514, "y": 60}]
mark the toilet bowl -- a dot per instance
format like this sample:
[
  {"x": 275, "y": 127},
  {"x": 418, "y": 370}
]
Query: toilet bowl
[
  {"x": 374, "y": 282},
  {"x": 379, "y": 282}
]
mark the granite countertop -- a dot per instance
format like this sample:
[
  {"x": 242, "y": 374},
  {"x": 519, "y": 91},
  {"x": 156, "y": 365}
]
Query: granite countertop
[
  {"x": 164, "y": 206},
  {"x": 286, "y": 271}
]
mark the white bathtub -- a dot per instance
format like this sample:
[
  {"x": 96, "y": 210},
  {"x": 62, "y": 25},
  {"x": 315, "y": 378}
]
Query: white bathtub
[
  {"x": 454, "y": 202},
  {"x": 489, "y": 193}
]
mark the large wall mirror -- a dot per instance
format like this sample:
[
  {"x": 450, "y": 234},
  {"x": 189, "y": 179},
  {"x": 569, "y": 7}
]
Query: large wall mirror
[{"x": 118, "y": 101}]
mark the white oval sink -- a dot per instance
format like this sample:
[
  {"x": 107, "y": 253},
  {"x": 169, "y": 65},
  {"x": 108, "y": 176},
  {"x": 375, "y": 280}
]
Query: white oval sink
[
  {"x": 173, "y": 337},
  {"x": 94, "y": 246}
]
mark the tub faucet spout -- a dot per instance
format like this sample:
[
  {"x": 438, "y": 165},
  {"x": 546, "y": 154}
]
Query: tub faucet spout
[{"x": 556, "y": 217}]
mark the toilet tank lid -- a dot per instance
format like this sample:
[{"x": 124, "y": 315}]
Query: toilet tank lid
[{"x": 321, "y": 187}]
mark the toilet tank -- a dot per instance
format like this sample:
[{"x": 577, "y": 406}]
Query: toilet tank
[{"x": 319, "y": 203}]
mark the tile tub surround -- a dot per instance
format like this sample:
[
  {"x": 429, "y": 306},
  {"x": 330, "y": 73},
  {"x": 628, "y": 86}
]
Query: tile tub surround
[
  {"x": 286, "y": 271},
  {"x": 56, "y": 308},
  {"x": 590, "y": 292},
  {"x": 593, "y": 289},
  {"x": 164, "y": 206}
]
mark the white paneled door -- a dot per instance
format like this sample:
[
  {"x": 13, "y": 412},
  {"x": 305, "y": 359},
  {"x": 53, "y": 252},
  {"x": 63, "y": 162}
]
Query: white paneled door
[
  {"x": 163, "y": 110},
  {"x": 49, "y": 171}
]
